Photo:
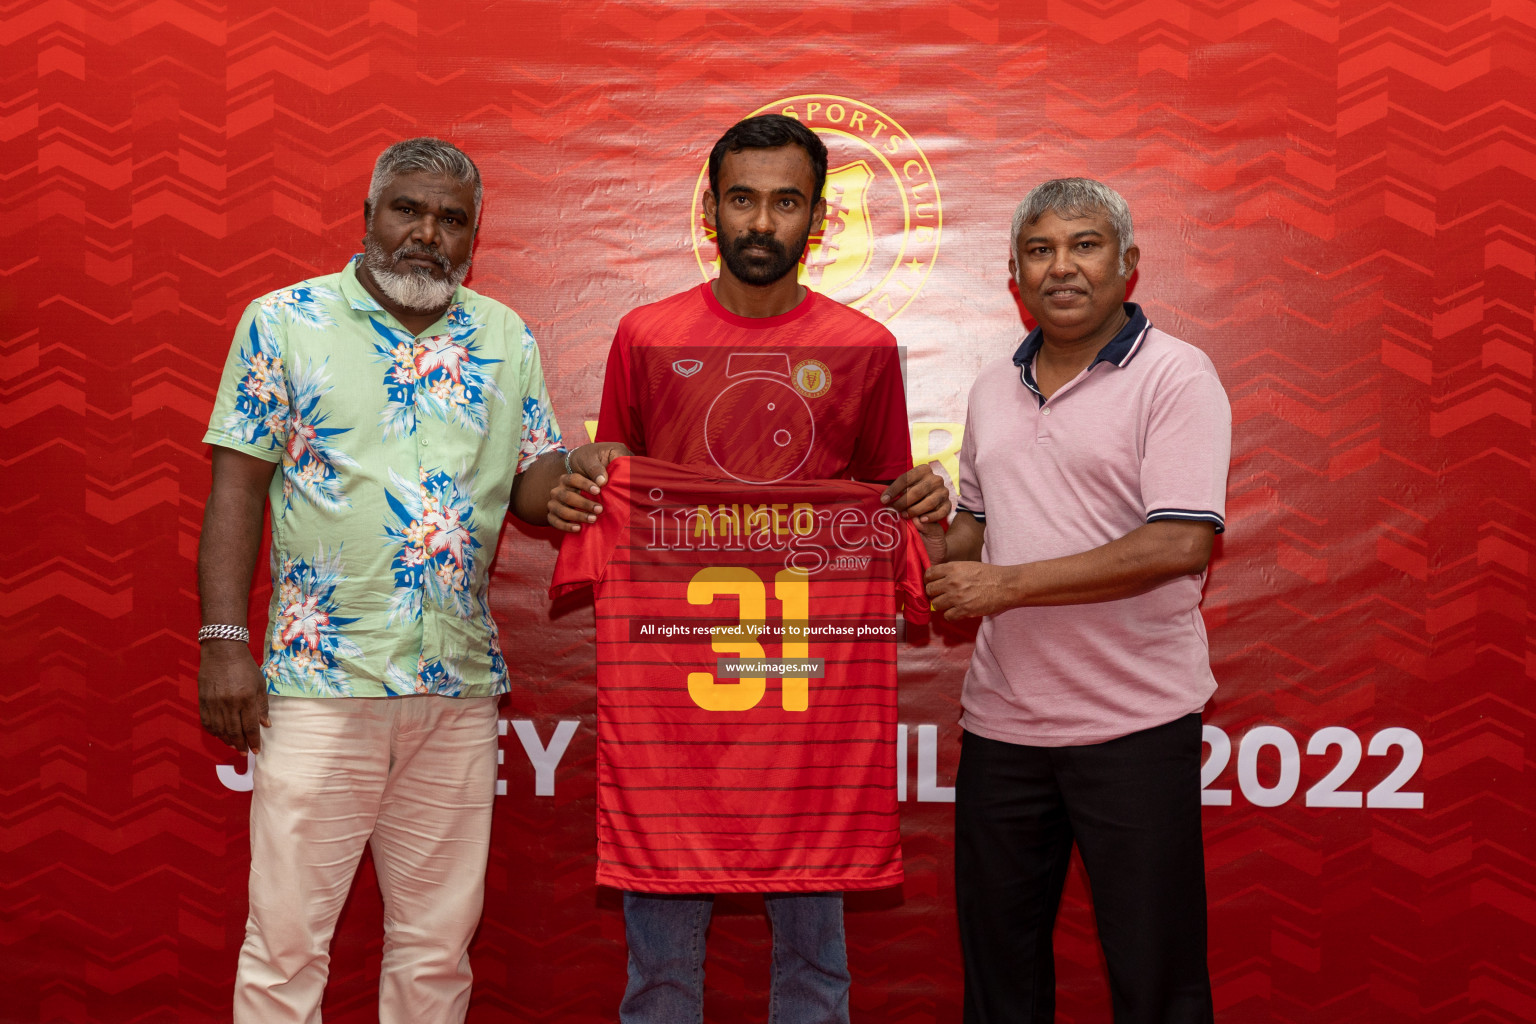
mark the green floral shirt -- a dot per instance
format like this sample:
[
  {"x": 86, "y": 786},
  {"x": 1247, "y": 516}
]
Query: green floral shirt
[{"x": 397, "y": 456}]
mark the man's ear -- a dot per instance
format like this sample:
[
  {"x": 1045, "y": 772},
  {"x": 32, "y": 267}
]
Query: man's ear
[
  {"x": 710, "y": 209},
  {"x": 1128, "y": 262},
  {"x": 819, "y": 215}
]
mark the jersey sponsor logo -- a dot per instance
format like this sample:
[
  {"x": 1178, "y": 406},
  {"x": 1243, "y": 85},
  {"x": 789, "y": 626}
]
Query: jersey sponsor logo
[
  {"x": 811, "y": 378},
  {"x": 687, "y": 367},
  {"x": 884, "y": 217}
]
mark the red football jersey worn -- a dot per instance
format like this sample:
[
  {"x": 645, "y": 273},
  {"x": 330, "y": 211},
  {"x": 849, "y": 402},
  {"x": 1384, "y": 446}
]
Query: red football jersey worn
[
  {"x": 811, "y": 394},
  {"x": 746, "y": 669}
]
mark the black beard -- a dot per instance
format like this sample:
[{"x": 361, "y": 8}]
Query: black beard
[{"x": 762, "y": 272}]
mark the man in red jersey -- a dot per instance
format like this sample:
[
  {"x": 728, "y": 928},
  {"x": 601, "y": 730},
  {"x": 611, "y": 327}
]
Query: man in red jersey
[{"x": 764, "y": 380}]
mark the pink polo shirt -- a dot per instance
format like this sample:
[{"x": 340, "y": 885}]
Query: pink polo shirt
[{"x": 1143, "y": 434}]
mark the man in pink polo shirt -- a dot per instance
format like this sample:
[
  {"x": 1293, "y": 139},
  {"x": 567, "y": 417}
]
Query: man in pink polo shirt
[{"x": 1092, "y": 482}]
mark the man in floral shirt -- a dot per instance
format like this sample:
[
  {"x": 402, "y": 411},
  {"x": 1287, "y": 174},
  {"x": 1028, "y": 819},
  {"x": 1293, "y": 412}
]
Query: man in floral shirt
[{"x": 391, "y": 417}]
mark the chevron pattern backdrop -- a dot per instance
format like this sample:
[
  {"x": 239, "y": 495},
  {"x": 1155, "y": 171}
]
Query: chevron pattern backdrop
[{"x": 1334, "y": 200}]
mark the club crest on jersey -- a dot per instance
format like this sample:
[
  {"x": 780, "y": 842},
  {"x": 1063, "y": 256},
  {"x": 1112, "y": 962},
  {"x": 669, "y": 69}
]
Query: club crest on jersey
[
  {"x": 687, "y": 367},
  {"x": 811, "y": 378}
]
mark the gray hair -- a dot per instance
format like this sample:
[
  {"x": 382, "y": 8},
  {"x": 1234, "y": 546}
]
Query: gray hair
[
  {"x": 1074, "y": 197},
  {"x": 423, "y": 154}
]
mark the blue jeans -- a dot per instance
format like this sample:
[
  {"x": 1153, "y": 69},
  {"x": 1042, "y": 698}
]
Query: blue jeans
[{"x": 666, "y": 958}]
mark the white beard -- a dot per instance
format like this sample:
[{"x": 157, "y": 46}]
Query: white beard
[{"x": 414, "y": 288}]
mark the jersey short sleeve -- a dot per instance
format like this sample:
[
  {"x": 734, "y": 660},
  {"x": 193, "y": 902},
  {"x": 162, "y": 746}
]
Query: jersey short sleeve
[
  {"x": 884, "y": 448},
  {"x": 909, "y": 587},
  {"x": 585, "y": 556},
  {"x": 618, "y": 419},
  {"x": 1187, "y": 450}
]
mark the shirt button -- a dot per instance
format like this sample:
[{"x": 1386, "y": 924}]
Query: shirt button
[{"x": 1043, "y": 412}]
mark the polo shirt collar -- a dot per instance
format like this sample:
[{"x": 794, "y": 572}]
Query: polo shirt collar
[{"x": 1119, "y": 350}]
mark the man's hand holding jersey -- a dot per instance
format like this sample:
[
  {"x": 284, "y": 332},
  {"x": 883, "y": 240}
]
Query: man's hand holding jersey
[
  {"x": 572, "y": 501},
  {"x": 920, "y": 495}
]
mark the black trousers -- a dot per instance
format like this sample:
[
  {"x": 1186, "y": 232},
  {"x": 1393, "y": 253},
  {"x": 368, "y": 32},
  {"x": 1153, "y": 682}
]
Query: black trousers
[{"x": 1132, "y": 805}]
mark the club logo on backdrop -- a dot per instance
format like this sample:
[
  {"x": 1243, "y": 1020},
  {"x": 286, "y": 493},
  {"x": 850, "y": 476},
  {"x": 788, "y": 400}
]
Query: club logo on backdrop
[{"x": 883, "y": 214}]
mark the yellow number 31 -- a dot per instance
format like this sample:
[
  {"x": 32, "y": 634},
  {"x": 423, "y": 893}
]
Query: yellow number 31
[{"x": 793, "y": 591}]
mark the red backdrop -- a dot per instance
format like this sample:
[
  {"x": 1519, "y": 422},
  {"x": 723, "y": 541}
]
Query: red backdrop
[{"x": 1332, "y": 199}]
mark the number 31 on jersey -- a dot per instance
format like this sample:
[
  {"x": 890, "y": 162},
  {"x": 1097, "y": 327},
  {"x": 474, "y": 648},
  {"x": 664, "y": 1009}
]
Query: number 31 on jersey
[{"x": 793, "y": 592}]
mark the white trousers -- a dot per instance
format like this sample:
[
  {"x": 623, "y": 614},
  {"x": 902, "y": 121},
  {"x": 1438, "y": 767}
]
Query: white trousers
[{"x": 413, "y": 777}]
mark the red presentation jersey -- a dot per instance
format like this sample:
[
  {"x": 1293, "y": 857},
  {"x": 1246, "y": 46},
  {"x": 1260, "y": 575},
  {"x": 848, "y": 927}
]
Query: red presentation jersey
[
  {"x": 746, "y": 669},
  {"x": 812, "y": 394}
]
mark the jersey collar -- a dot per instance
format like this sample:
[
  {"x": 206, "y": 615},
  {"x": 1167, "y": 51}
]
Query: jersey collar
[{"x": 758, "y": 323}]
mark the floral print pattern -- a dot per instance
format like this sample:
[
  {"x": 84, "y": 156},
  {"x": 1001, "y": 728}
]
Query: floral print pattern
[
  {"x": 306, "y": 641},
  {"x": 279, "y": 405},
  {"x": 371, "y": 471},
  {"x": 440, "y": 676},
  {"x": 434, "y": 524},
  {"x": 304, "y": 304},
  {"x": 309, "y": 456},
  {"x": 540, "y": 434},
  {"x": 444, "y": 376},
  {"x": 499, "y": 680},
  {"x": 261, "y": 400}
]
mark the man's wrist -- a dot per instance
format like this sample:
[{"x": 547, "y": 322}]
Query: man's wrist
[
  {"x": 224, "y": 652},
  {"x": 1016, "y": 584}
]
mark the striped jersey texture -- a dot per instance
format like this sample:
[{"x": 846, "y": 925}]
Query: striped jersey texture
[{"x": 761, "y": 781}]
